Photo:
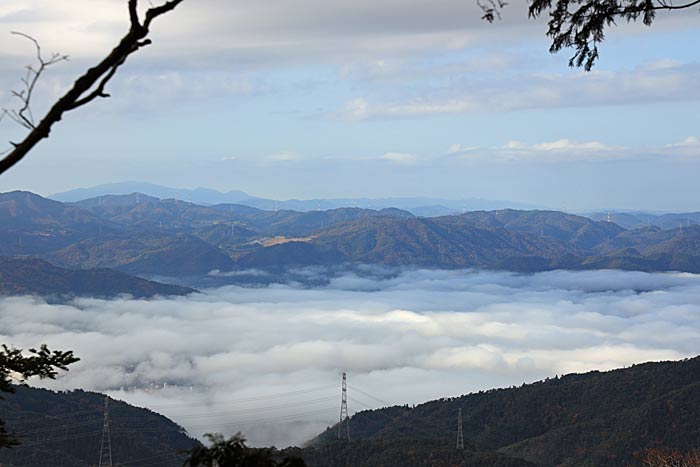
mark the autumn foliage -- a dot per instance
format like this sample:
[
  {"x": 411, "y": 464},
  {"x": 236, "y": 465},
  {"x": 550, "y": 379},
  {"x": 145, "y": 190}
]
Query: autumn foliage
[{"x": 670, "y": 458}]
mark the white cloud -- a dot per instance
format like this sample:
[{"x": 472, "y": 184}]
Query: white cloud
[
  {"x": 357, "y": 109},
  {"x": 282, "y": 157},
  {"x": 688, "y": 148},
  {"x": 221, "y": 34},
  {"x": 362, "y": 109},
  {"x": 566, "y": 145},
  {"x": 668, "y": 82},
  {"x": 399, "y": 157},
  {"x": 662, "y": 64},
  {"x": 689, "y": 142},
  {"x": 563, "y": 149},
  {"x": 404, "y": 338},
  {"x": 566, "y": 150}
]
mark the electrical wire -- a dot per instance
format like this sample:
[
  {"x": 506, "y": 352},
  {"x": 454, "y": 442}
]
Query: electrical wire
[{"x": 386, "y": 404}]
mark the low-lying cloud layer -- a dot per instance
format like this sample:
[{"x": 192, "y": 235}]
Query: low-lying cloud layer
[{"x": 267, "y": 360}]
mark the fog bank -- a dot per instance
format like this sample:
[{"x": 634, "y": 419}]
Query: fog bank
[{"x": 267, "y": 361}]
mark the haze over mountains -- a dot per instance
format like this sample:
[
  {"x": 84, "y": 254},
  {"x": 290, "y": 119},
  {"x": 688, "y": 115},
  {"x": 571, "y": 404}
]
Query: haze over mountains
[{"x": 421, "y": 206}]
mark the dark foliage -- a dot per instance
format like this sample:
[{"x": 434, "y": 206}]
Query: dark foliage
[
  {"x": 403, "y": 452},
  {"x": 18, "y": 367},
  {"x": 581, "y": 24},
  {"x": 233, "y": 452},
  {"x": 68, "y": 426}
]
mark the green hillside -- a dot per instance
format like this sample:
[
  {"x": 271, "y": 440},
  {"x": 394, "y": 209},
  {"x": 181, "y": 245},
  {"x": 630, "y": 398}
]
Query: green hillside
[
  {"x": 65, "y": 429},
  {"x": 601, "y": 419}
]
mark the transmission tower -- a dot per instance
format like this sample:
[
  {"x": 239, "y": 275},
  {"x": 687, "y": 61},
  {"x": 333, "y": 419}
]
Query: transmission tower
[
  {"x": 344, "y": 410},
  {"x": 460, "y": 435},
  {"x": 106, "y": 443}
]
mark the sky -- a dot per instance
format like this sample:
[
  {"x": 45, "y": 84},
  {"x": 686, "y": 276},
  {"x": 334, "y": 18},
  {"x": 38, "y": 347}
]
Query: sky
[
  {"x": 268, "y": 361},
  {"x": 317, "y": 99}
]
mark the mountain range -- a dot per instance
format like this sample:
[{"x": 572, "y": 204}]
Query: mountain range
[
  {"x": 637, "y": 220},
  {"x": 142, "y": 235},
  {"x": 422, "y": 206}
]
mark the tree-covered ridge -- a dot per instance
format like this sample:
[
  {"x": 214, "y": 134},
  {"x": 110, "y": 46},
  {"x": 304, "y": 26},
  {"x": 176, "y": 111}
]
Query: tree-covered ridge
[
  {"x": 594, "y": 419},
  {"x": 66, "y": 427},
  {"x": 402, "y": 452},
  {"x": 32, "y": 276}
]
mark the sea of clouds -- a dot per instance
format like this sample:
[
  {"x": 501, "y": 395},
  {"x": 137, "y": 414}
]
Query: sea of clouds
[{"x": 267, "y": 360}]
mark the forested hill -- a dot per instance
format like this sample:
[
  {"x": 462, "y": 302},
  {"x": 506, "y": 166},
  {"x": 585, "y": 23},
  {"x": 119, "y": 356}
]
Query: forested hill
[
  {"x": 65, "y": 429},
  {"x": 403, "y": 453},
  {"x": 32, "y": 276},
  {"x": 600, "y": 419},
  {"x": 138, "y": 234}
]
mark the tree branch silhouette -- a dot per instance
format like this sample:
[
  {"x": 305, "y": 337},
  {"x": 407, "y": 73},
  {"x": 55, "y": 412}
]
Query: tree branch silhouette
[
  {"x": 24, "y": 116},
  {"x": 86, "y": 88},
  {"x": 581, "y": 24}
]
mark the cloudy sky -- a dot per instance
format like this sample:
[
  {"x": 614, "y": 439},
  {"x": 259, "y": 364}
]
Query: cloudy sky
[
  {"x": 310, "y": 98},
  {"x": 268, "y": 361}
]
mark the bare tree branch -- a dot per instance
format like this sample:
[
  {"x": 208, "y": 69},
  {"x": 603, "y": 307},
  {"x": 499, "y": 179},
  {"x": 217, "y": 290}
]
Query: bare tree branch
[
  {"x": 155, "y": 12},
  {"x": 86, "y": 88},
  {"x": 133, "y": 12},
  {"x": 23, "y": 116}
]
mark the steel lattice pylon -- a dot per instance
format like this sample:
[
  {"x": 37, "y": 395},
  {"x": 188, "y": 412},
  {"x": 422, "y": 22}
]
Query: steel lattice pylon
[
  {"x": 460, "y": 435},
  {"x": 344, "y": 410},
  {"x": 106, "y": 443}
]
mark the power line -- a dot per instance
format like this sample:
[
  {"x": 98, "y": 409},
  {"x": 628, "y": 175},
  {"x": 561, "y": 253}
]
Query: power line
[
  {"x": 360, "y": 402},
  {"x": 324, "y": 411},
  {"x": 249, "y": 399},
  {"x": 60, "y": 427},
  {"x": 197, "y": 404},
  {"x": 62, "y": 438},
  {"x": 42, "y": 418},
  {"x": 152, "y": 458},
  {"x": 370, "y": 396},
  {"x": 241, "y": 411},
  {"x": 155, "y": 418}
]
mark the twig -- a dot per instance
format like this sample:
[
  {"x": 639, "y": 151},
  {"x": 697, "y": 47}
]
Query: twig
[
  {"x": 24, "y": 115},
  {"x": 86, "y": 88}
]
